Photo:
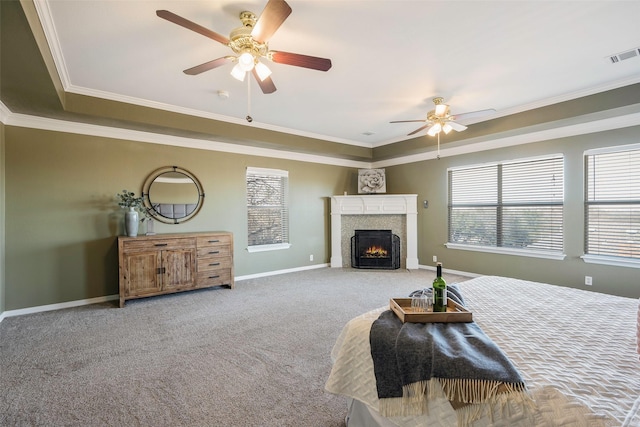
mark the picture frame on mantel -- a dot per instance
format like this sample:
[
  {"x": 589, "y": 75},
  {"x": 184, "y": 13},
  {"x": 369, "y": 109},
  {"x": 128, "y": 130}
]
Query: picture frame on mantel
[{"x": 372, "y": 181}]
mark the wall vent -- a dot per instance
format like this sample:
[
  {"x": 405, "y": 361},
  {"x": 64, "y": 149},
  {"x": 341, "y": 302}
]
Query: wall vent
[{"x": 624, "y": 55}]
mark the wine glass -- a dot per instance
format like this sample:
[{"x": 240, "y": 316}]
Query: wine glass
[{"x": 420, "y": 301}]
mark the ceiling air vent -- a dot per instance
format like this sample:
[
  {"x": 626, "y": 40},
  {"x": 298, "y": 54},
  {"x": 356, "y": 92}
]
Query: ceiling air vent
[{"x": 624, "y": 55}]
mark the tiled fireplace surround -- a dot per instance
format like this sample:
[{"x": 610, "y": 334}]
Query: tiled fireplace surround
[{"x": 395, "y": 212}]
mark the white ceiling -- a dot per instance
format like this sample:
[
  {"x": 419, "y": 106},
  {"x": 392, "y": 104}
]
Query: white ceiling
[{"x": 390, "y": 58}]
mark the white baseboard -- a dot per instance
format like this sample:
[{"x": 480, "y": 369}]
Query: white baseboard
[
  {"x": 59, "y": 306},
  {"x": 275, "y": 273},
  {"x": 77, "y": 303},
  {"x": 445, "y": 270}
]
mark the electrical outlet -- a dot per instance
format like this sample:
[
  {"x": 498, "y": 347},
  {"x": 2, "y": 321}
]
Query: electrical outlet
[
  {"x": 311, "y": 257},
  {"x": 435, "y": 258},
  {"x": 588, "y": 280}
]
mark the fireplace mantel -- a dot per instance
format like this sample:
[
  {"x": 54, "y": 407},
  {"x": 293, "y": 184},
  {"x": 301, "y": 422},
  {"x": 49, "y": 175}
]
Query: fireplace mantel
[{"x": 379, "y": 204}]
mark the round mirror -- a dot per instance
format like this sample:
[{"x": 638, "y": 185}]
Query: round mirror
[{"x": 172, "y": 195}]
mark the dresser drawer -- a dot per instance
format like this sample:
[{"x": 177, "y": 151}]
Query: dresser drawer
[
  {"x": 160, "y": 244},
  {"x": 214, "y": 278},
  {"x": 214, "y": 263},
  {"x": 214, "y": 240},
  {"x": 214, "y": 251}
]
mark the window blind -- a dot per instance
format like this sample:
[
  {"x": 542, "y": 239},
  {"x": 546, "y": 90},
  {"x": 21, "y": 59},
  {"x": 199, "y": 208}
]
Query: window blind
[
  {"x": 612, "y": 203},
  {"x": 516, "y": 204},
  {"x": 267, "y": 206}
]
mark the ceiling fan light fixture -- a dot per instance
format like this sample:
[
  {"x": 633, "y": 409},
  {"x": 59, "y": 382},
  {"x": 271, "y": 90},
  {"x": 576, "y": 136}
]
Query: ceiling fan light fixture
[
  {"x": 441, "y": 110},
  {"x": 262, "y": 70},
  {"x": 440, "y": 119},
  {"x": 246, "y": 61},
  {"x": 434, "y": 130},
  {"x": 238, "y": 73}
]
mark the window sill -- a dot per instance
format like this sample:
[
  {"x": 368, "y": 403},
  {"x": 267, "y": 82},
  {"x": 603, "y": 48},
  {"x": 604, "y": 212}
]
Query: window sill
[
  {"x": 265, "y": 248},
  {"x": 508, "y": 251},
  {"x": 610, "y": 260}
]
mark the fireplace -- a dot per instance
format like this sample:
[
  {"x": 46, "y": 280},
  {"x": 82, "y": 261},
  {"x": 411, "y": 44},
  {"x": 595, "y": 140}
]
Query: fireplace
[
  {"x": 375, "y": 249},
  {"x": 398, "y": 212}
]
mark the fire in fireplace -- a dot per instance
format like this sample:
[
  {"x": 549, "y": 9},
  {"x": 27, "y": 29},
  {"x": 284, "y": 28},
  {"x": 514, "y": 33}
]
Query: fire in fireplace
[
  {"x": 375, "y": 249},
  {"x": 375, "y": 252}
]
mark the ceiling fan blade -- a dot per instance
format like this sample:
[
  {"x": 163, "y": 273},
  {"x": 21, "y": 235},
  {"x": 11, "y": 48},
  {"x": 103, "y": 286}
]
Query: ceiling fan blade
[
  {"x": 266, "y": 85},
  {"x": 473, "y": 114},
  {"x": 419, "y": 129},
  {"x": 273, "y": 15},
  {"x": 172, "y": 17},
  {"x": 457, "y": 126},
  {"x": 208, "y": 66},
  {"x": 407, "y": 121},
  {"x": 298, "y": 60}
]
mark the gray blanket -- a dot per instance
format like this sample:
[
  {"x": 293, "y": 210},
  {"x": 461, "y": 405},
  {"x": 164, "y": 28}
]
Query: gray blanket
[{"x": 468, "y": 365}]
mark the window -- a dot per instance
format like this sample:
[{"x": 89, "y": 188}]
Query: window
[
  {"x": 511, "y": 207},
  {"x": 612, "y": 203},
  {"x": 267, "y": 209}
]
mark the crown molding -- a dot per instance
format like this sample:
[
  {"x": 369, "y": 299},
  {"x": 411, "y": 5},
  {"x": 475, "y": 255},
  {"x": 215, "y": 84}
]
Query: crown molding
[
  {"x": 469, "y": 146},
  {"x": 51, "y": 34},
  {"x": 43, "y": 123},
  {"x": 4, "y": 113}
]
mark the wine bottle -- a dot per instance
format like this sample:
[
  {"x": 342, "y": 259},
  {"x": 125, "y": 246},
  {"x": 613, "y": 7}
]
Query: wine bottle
[{"x": 439, "y": 291}]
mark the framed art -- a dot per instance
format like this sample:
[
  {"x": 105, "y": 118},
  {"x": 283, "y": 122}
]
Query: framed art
[{"x": 371, "y": 181}]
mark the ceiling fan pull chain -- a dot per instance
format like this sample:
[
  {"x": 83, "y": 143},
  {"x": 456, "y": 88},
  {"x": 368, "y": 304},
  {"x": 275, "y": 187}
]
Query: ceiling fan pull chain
[
  {"x": 249, "y": 118},
  {"x": 438, "y": 156}
]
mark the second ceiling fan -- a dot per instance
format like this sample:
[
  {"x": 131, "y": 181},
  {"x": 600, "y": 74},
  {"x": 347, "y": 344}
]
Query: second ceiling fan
[
  {"x": 250, "y": 44},
  {"x": 440, "y": 119}
]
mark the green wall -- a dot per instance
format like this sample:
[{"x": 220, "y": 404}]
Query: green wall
[
  {"x": 62, "y": 218},
  {"x": 2, "y": 222},
  {"x": 428, "y": 179}
]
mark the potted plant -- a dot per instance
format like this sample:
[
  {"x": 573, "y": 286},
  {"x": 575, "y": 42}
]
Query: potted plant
[{"x": 134, "y": 206}]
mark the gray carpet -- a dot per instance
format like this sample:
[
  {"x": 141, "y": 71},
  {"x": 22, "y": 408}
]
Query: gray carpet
[{"x": 257, "y": 355}]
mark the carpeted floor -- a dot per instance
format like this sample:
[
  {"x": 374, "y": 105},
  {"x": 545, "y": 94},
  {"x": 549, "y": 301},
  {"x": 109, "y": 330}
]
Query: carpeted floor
[{"x": 257, "y": 355}]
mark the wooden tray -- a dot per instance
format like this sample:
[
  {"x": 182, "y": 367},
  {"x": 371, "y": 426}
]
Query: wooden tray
[{"x": 455, "y": 313}]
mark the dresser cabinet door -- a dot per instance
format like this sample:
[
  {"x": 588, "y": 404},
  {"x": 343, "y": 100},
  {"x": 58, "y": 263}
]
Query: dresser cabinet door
[
  {"x": 178, "y": 267},
  {"x": 141, "y": 273}
]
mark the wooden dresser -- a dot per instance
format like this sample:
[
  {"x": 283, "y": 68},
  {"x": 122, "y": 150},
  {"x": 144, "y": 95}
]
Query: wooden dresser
[{"x": 168, "y": 263}]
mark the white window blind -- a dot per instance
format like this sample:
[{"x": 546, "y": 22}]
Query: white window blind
[
  {"x": 517, "y": 205},
  {"x": 267, "y": 206},
  {"x": 612, "y": 203}
]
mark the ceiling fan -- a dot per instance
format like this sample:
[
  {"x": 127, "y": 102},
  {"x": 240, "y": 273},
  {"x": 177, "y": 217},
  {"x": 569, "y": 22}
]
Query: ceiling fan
[
  {"x": 441, "y": 120},
  {"x": 249, "y": 43}
]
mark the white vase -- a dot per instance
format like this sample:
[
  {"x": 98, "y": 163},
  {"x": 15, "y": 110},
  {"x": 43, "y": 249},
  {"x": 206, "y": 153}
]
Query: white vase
[{"x": 131, "y": 222}]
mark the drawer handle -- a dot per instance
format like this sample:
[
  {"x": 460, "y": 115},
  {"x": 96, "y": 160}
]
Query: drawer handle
[
  {"x": 161, "y": 270},
  {"x": 213, "y": 264},
  {"x": 214, "y": 277},
  {"x": 214, "y": 241},
  {"x": 214, "y": 252},
  {"x": 161, "y": 244}
]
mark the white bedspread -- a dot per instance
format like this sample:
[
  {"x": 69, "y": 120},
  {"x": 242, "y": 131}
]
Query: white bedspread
[{"x": 576, "y": 350}]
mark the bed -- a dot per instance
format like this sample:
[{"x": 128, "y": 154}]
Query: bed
[{"x": 576, "y": 350}]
